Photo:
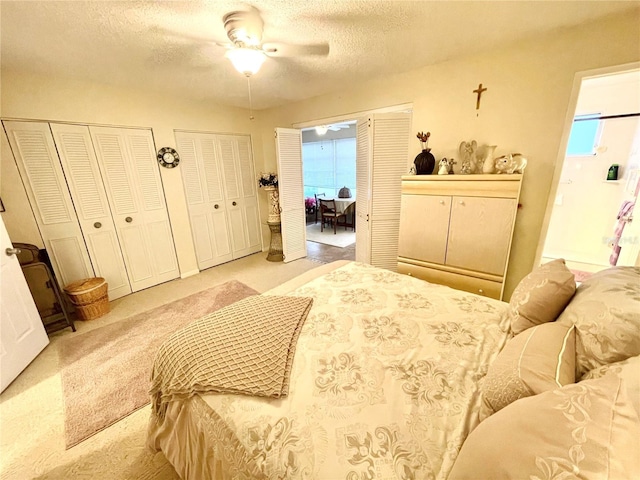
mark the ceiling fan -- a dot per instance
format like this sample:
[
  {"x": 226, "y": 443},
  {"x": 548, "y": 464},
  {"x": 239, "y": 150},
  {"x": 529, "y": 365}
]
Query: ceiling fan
[
  {"x": 334, "y": 127},
  {"x": 247, "y": 52}
]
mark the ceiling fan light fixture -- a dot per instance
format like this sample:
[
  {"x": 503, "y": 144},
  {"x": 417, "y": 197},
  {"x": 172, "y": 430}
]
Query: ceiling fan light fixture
[
  {"x": 246, "y": 60},
  {"x": 321, "y": 129}
]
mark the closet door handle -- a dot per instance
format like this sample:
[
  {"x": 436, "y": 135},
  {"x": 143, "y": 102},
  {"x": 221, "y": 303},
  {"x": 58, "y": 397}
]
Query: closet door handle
[
  {"x": 128, "y": 219},
  {"x": 12, "y": 251},
  {"x": 441, "y": 202},
  {"x": 233, "y": 203},
  {"x": 461, "y": 202},
  {"x": 216, "y": 206},
  {"x": 97, "y": 224}
]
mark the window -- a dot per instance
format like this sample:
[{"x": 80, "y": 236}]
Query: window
[
  {"x": 585, "y": 134},
  {"x": 329, "y": 165}
]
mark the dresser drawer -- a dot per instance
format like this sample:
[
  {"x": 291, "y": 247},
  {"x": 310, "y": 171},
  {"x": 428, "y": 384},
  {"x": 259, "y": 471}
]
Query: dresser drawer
[{"x": 479, "y": 286}]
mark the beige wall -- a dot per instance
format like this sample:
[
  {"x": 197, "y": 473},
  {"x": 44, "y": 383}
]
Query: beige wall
[
  {"x": 27, "y": 96},
  {"x": 523, "y": 110},
  {"x": 529, "y": 87}
]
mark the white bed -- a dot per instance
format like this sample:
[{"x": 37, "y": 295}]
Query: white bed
[
  {"x": 384, "y": 384},
  {"x": 396, "y": 378}
]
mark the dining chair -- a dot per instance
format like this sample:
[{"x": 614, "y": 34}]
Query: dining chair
[
  {"x": 329, "y": 213},
  {"x": 316, "y": 195}
]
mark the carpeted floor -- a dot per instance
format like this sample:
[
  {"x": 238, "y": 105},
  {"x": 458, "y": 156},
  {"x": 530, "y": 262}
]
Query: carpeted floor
[
  {"x": 32, "y": 442},
  {"x": 105, "y": 372}
]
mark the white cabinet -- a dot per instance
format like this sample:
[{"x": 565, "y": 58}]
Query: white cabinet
[
  {"x": 220, "y": 186},
  {"x": 457, "y": 230}
]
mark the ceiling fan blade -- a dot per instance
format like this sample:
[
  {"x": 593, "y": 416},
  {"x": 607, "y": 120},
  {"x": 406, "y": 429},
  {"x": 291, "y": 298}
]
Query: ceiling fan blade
[
  {"x": 244, "y": 26},
  {"x": 333, "y": 128},
  {"x": 288, "y": 50}
]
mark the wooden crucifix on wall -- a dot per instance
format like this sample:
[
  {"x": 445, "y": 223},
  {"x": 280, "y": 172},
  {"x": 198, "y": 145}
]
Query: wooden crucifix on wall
[{"x": 479, "y": 91}]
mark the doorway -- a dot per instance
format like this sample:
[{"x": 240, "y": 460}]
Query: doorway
[
  {"x": 329, "y": 175},
  {"x": 382, "y": 157},
  {"x": 589, "y": 224}
]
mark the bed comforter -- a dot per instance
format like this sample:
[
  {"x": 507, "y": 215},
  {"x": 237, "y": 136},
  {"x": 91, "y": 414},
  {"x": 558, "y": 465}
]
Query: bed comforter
[{"x": 384, "y": 385}]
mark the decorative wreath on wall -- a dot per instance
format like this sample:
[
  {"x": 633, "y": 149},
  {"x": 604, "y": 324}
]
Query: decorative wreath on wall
[{"x": 168, "y": 157}]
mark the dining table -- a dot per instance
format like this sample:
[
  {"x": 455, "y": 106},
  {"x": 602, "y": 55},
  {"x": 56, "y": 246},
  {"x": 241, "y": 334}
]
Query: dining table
[{"x": 343, "y": 203}]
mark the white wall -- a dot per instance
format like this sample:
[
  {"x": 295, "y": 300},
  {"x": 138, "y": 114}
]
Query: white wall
[
  {"x": 26, "y": 96},
  {"x": 584, "y": 216},
  {"x": 529, "y": 88}
]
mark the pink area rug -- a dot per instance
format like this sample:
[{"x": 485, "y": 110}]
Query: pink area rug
[{"x": 105, "y": 372}]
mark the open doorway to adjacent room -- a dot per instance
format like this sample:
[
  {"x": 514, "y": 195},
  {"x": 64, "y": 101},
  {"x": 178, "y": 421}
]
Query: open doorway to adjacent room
[
  {"x": 329, "y": 176},
  {"x": 590, "y": 223}
]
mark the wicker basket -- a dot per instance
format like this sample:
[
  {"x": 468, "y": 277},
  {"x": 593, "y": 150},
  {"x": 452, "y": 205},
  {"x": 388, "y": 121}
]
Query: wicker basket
[{"x": 90, "y": 297}]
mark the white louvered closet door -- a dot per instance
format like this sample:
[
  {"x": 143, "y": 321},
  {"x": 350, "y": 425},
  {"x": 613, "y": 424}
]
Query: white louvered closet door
[
  {"x": 249, "y": 182},
  {"x": 363, "y": 187},
  {"x": 240, "y": 194},
  {"x": 132, "y": 181},
  {"x": 202, "y": 179},
  {"x": 290, "y": 186},
  {"x": 390, "y": 155},
  {"x": 381, "y": 157},
  {"x": 35, "y": 153},
  {"x": 81, "y": 170}
]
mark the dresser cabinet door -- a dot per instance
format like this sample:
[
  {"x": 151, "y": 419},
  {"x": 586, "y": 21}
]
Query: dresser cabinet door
[
  {"x": 424, "y": 223},
  {"x": 480, "y": 233}
]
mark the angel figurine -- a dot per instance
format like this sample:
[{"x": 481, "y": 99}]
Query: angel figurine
[{"x": 468, "y": 155}]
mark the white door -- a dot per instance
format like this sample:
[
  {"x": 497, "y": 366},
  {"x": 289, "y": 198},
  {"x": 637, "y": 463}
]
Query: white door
[
  {"x": 240, "y": 194},
  {"x": 22, "y": 335},
  {"x": 87, "y": 189},
  {"x": 35, "y": 153},
  {"x": 290, "y": 186},
  {"x": 384, "y": 156},
  {"x": 363, "y": 187},
  {"x": 248, "y": 181},
  {"x": 127, "y": 162},
  {"x": 202, "y": 179}
]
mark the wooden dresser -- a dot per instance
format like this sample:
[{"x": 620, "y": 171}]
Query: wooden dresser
[{"x": 456, "y": 230}]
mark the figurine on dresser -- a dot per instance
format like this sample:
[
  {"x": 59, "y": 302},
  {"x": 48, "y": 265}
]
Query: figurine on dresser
[
  {"x": 470, "y": 161},
  {"x": 443, "y": 167},
  {"x": 511, "y": 163}
]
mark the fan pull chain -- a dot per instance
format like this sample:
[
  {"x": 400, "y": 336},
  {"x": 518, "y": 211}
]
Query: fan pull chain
[{"x": 251, "y": 117}]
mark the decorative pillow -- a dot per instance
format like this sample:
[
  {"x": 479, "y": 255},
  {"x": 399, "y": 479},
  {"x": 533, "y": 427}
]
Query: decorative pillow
[
  {"x": 539, "y": 359},
  {"x": 606, "y": 313},
  {"x": 628, "y": 370},
  {"x": 541, "y": 295},
  {"x": 587, "y": 430}
]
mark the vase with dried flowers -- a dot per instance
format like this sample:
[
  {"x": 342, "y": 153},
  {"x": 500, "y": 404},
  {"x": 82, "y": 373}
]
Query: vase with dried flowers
[
  {"x": 424, "y": 161},
  {"x": 269, "y": 182}
]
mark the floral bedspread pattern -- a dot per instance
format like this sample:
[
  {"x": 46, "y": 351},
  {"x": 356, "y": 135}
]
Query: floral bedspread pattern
[{"x": 384, "y": 385}]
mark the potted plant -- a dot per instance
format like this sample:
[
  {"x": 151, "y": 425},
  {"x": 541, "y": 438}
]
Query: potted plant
[
  {"x": 310, "y": 205},
  {"x": 268, "y": 180}
]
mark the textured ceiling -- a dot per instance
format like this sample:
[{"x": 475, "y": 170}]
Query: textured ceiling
[{"x": 169, "y": 46}]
